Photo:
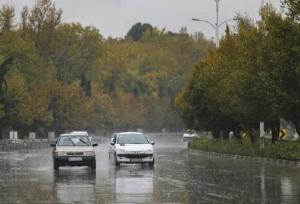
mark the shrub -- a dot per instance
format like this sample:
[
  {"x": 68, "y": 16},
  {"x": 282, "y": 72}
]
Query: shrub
[{"x": 282, "y": 150}]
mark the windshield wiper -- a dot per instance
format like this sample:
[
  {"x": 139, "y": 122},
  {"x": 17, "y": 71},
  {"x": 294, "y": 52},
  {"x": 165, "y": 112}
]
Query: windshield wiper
[
  {"x": 81, "y": 140},
  {"x": 71, "y": 141}
]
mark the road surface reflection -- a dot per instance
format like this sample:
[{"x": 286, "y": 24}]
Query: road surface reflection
[{"x": 179, "y": 176}]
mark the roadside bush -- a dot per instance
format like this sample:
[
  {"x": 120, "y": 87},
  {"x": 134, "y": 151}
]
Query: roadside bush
[{"x": 282, "y": 150}]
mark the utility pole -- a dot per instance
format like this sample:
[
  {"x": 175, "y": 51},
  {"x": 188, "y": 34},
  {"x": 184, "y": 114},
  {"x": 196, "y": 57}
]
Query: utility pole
[
  {"x": 217, "y": 23},
  {"x": 262, "y": 3}
]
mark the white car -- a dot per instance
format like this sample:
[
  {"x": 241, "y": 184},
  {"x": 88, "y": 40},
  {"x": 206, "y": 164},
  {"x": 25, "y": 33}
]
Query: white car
[
  {"x": 74, "y": 149},
  {"x": 189, "y": 135},
  {"x": 80, "y": 132},
  {"x": 131, "y": 147}
]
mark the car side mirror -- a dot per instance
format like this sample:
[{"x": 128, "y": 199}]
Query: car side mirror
[
  {"x": 153, "y": 143},
  {"x": 95, "y": 145},
  {"x": 112, "y": 143},
  {"x": 52, "y": 145}
]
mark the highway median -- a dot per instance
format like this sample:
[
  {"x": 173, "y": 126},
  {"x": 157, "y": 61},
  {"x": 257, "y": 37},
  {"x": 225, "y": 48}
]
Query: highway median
[{"x": 283, "y": 150}]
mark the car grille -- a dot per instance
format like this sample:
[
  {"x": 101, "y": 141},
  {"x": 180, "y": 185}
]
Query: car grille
[
  {"x": 131, "y": 156},
  {"x": 74, "y": 153}
]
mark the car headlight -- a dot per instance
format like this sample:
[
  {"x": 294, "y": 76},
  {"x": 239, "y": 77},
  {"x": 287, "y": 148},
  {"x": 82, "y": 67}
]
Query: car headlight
[
  {"x": 148, "y": 151},
  {"x": 59, "y": 154},
  {"x": 90, "y": 153},
  {"x": 122, "y": 150}
]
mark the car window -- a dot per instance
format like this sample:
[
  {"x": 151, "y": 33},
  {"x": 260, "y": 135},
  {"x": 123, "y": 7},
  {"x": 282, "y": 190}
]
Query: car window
[
  {"x": 132, "y": 139},
  {"x": 79, "y": 140},
  {"x": 190, "y": 131}
]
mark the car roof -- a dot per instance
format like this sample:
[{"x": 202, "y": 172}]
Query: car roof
[
  {"x": 80, "y": 132},
  {"x": 190, "y": 130},
  {"x": 123, "y": 133},
  {"x": 73, "y": 134}
]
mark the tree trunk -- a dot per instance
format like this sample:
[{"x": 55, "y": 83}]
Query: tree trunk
[
  {"x": 216, "y": 134},
  {"x": 251, "y": 133},
  {"x": 275, "y": 130},
  {"x": 221, "y": 134},
  {"x": 226, "y": 134},
  {"x": 237, "y": 133},
  {"x": 297, "y": 126},
  {"x": 252, "y": 136}
]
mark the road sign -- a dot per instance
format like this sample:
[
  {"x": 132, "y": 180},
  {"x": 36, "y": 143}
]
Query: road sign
[{"x": 282, "y": 134}]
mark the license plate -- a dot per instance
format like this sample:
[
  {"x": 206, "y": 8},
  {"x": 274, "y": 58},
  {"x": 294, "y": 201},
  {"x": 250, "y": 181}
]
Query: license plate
[
  {"x": 136, "y": 160},
  {"x": 75, "y": 159}
]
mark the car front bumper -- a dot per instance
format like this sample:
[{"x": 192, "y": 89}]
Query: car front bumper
[
  {"x": 75, "y": 161},
  {"x": 186, "y": 138},
  {"x": 135, "y": 158}
]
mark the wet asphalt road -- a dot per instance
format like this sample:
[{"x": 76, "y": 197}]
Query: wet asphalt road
[{"x": 179, "y": 176}]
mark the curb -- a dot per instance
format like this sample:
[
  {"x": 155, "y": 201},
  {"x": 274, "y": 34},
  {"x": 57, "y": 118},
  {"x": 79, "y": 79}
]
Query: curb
[{"x": 257, "y": 159}]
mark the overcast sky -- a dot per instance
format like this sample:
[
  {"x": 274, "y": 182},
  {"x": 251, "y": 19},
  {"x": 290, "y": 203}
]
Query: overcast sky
[{"x": 115, "y": 17}]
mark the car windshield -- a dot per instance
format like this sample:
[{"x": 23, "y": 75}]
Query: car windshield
[
  {"x": 190, "y": 131},
  {"x": 132, "y": 139},
  {"x": 76, "y": 140}
]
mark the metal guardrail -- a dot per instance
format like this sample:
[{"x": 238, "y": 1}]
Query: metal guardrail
[
  {"x": 6, "y": 145},
  {"x": 165, "y": 134}
]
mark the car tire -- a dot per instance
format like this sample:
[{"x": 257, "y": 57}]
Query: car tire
[
  {"x": 116, "y": 161},
  {"x": 93, "y": 166},
  {"x": 55, "y": 165},
  {"x": 151, "y": 164}
]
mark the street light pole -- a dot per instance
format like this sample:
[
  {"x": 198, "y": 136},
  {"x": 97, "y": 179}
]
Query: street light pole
[
  {"x": 262, "y": 3},
  {"x": 216, "y": 25}
]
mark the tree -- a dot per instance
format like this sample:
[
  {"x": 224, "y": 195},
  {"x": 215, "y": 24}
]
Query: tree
[
  {"x": 293, "y": 7},
  {"x": 252, "y": 77},
  {"x": 77, "y": 50},
  {"x": 68, "y": 76},
  {"x": 7, "y": 14},
  {"x": 40, "y": 25},
  {"x": 69, "y": 106},
  {"x": 137, "y": 30},
  {"x": 287, "y": 30}
]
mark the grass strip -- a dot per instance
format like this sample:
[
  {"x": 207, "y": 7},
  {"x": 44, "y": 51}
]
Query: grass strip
[{"x": 286, "y": 150}]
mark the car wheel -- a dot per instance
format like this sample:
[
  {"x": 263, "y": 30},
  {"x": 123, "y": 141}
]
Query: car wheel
[
  {"x": 151, "y": 164},
  {"x": 93, "y": 166},
  {"x": 55, "y": 165},
  {"x": 116, "y": 161}
]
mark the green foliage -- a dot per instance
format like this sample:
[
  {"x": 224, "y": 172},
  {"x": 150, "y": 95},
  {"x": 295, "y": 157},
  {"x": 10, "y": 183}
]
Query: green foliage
[
  {"x": 7, "y": 14},
  {"x": 136, "y": 31},
  {"x": 69, "y": 106},
  {"x": 252, "y": 77},
  {"x": 282, "y": 150},
  {"x": 63, "y": 76},
  {"x": 76, "y": 50},
  {"x": 152, "y": 71},
  {"x": 293, "y": 7}
]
